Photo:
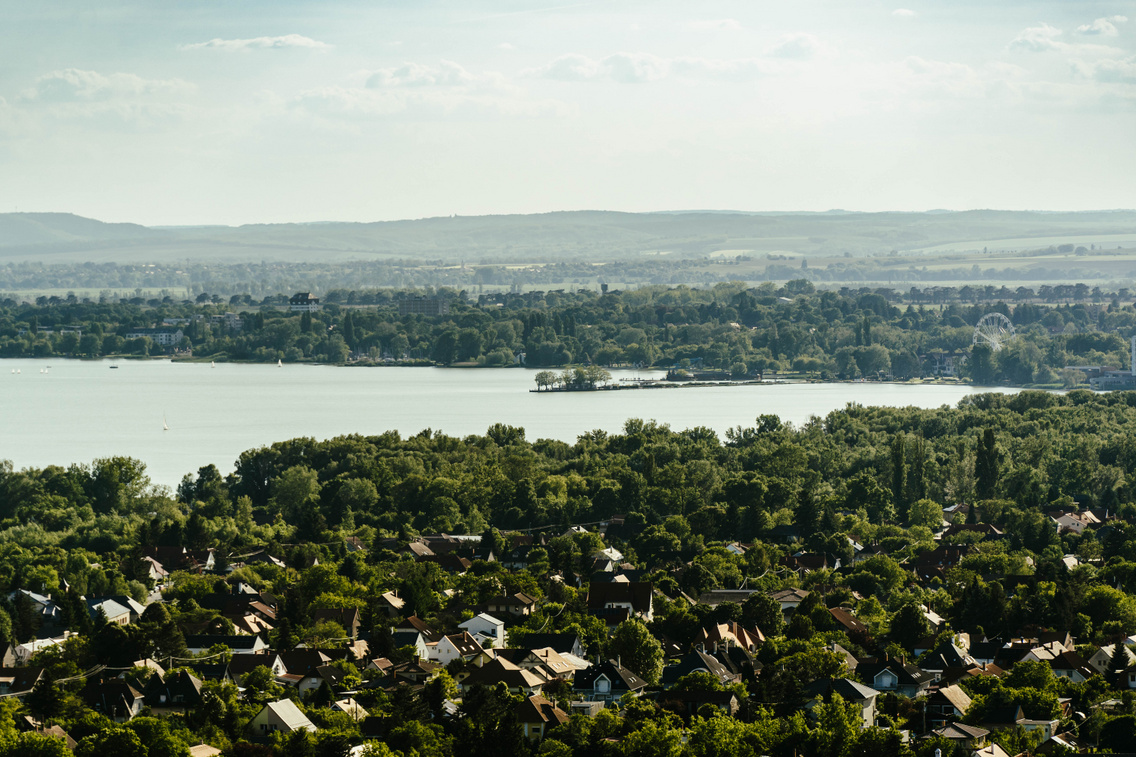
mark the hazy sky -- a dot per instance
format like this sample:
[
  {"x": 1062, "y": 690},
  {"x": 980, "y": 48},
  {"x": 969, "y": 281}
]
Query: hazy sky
[{"x": 178, "y": 112}]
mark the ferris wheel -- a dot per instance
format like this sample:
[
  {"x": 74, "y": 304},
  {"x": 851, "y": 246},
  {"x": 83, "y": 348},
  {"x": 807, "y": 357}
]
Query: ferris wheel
[{"x": 993, "y": 329}]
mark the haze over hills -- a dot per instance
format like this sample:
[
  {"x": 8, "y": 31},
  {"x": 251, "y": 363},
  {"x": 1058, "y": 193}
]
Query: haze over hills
[{"x": 588, "y": 235}]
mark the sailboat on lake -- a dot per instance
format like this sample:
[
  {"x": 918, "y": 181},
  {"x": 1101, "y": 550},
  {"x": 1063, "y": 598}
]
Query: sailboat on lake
[{"x": 165, "y": 426}]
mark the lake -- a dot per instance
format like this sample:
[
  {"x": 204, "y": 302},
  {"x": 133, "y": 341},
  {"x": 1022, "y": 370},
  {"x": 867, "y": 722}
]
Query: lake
[{"x": 81, "y": 410}]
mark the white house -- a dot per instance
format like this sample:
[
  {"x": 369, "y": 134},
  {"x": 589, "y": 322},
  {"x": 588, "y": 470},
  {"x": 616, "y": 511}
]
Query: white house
[
  {"x": 453, "y": 647},
  {"x": 486, "y": 630}
]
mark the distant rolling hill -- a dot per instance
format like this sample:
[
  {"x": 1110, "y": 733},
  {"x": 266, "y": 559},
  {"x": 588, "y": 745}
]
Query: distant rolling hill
[{"x": 588, "y": 235}]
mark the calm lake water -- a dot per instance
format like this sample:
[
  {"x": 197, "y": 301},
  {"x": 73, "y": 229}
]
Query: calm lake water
[{"x": 81, "y": 410}]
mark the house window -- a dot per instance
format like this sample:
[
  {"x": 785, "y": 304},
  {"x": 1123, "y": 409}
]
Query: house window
[{"x": 603, "y": 685}]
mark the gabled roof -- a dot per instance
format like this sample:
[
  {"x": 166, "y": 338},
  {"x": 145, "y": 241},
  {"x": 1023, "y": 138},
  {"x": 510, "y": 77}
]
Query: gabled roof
[
  {"x": 329, "y": 673},
  {"x": 850, "y": 622},
  {"x": 961, "y": 732},
  {"x": 636, "y": 593},
  {"x": 415, "y": 623},
  {"x": 537, "y": 709},
  {"x": 619, "y": 676},
  {"x": 499, "y": 670},
  {"x": 483, "y": 617},
  {"x": 849, "y": 690},
  {"x": 561, "y": 642},
  {"x": 204, "y": 641},
  {"x": 464, "y": 643},
  {"x": 289, "y": 714},
  {"x": 958, "y": 698},
  {"x": 300, "y": 661},
  {"x": 694, "y": 662},
  {"x": 790, "y": 595},
  {"x": 20, "y": 679}
]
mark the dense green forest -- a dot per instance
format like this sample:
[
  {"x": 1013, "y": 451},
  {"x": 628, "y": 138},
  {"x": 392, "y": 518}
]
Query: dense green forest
[
  {"x": 880, "y": 479},
  {"x": 844, "y": 334}
]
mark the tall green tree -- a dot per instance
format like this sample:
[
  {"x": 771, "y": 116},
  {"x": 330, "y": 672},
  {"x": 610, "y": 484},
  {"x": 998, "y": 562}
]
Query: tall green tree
[
  {"x": 986, "y": 466},
  {"x": 899, "y": 474},
  {"x": 637, "y": 649}
]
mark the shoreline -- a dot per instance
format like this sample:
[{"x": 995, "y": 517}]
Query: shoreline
[{"x": 631, "y": 384}]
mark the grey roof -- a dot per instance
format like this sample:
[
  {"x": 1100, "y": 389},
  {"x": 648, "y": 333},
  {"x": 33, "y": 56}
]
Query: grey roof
[
  {"x": 848, "y": 689},
  {"x": 290, "y": 715}
]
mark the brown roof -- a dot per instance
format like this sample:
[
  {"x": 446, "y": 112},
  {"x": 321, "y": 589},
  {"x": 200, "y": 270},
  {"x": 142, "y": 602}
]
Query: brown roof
[
  {"x": 537, "y": 709},
  {"x": 848, "y": 620}
]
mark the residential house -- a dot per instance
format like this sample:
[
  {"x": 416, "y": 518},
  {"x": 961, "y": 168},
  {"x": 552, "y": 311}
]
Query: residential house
[
  {"x": 538, "y": 715},
  {"x": 728, "y": 634},
  {"x": 1072, "y": 666},
  {"x": 607, "y": 681},
  {"x": 200, "y": 643},
  {"x": 564, "y": 643},
  {"x": 302, "y": 660},
  {"x": 390, "y": 604},
  {"x": 243, "y": 664},
  {"x": 519, "y": 605},
  {"x": 789, "y": 599},
  {"x": 945, "y": 706},
  {"x": 698, "y": 661},
  {"x": 457, "y": 646},
  {"x": 317, "y": 676},
  {"x": 487, "y": 630},
  {"x": 500, "y": 671},
  {"x": 279, "y": 717},
  {"x": 545, "y": 661},
  {"x": 175, "y": 692},
  {"x": 615, "y": 602},
  {"x": 966, "y": 736},
  {"x": 851, "y": 625},
  {"x": 416, "y": 671},
  {"x": 352, "y": 708},
  {"x": 1101, "y": 661},
  {"x": 116, "y": 699},
  {"x": 110, "y": 609},
  {"x": 24, "y": 652},
  {"x": 895, "y": 676},
  {"x": 303, "y": 302},
  {"x": 851, "y": 692},
  {"x": 18, "y": 681}
]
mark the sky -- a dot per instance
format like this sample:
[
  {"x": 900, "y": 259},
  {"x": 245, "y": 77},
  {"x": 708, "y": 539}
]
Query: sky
[{"x": 235, "y": 112}]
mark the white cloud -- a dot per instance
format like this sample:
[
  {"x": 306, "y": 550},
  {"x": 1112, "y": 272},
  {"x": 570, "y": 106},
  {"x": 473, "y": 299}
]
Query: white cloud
[
  {"x": 718, "y": 24},
  {"x": 506, "y": 46},
  {"x": 73, "y": 84},
  {"x": 904, "y": 13},
  {"x": 445, "y": 74},
  {"x": 1038, "y": 39},
  {"x": 797, "y": 46},
  {"x": 1103, "y": 27},
  {"x": 635, "y": 68},
  {"x": 632, "y": 68},
  {"x": 570, "y": 67},
  {"x": 287, "y": 40},
  {"x": 1110, "y": 71}
]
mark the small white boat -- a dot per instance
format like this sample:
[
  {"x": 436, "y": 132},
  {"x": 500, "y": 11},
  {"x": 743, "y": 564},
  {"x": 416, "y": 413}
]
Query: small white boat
[
  {"x": 279, "y": 363},
  {"x": 165, "y": 426},
  {"x": 212, "y": 364}
]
